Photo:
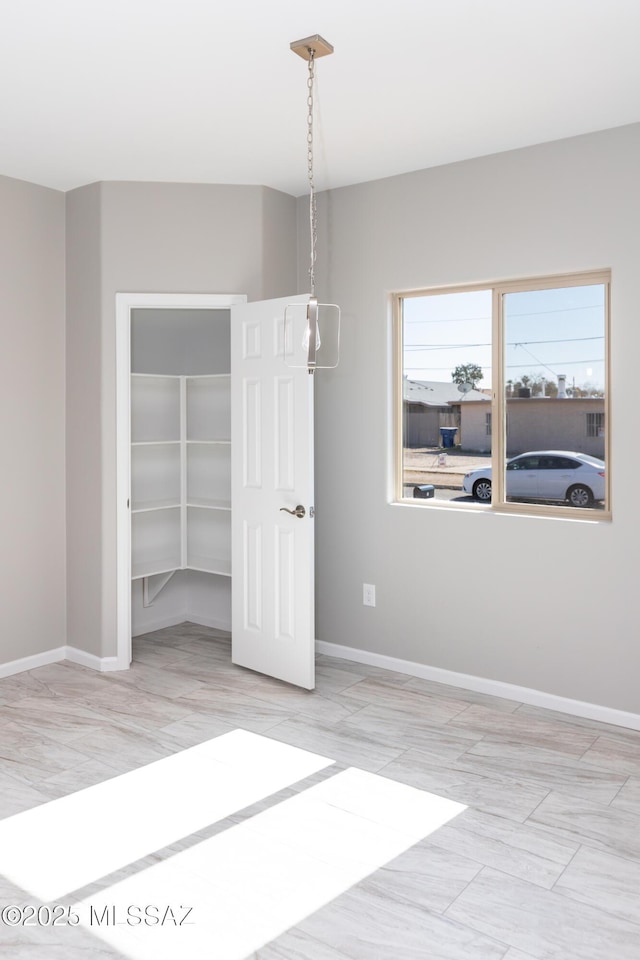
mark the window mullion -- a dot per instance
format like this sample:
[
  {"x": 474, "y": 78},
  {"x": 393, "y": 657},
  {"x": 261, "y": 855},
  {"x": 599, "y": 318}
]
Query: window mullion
[
  {"x": 399, "y": 413},
  {"x": 498, "y": 404}
]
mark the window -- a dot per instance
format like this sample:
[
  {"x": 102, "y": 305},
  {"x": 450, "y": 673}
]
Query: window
[
  {"x": 595, "y": 424},
  {"x": 497, "y": 384}
]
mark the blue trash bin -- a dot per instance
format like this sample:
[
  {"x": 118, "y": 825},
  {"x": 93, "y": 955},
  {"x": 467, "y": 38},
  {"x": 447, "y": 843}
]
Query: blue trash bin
[{"x": 448, "y": 435}]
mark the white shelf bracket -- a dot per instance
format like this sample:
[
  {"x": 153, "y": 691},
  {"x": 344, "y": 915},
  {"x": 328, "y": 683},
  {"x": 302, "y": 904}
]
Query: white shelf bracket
[{"x": 151, "y": 591}]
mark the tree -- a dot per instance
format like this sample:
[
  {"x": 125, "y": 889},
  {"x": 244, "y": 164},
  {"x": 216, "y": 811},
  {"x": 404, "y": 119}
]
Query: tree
[
  {"x": 467, "y": 373},
  {"x": 542, "y": 386}
]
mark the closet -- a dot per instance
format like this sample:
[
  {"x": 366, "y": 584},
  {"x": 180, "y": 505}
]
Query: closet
[{"x": 180, "y": 394}]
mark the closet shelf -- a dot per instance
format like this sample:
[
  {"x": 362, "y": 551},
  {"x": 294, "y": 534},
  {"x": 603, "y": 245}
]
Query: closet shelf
[
  {"x": 219, "y": 565},
  {"x": 148, "y": 506},
  {"x": 149, "y": 568},
  {"x": 203, "y": 503},
  {"x": 181, "y": 474},
  {"x": 224, "y": 443},
  {"x": 154, "y": 443}
]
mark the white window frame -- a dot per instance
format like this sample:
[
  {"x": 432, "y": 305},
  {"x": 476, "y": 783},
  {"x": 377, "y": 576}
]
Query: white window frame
[{"x": 499, "y": 400}]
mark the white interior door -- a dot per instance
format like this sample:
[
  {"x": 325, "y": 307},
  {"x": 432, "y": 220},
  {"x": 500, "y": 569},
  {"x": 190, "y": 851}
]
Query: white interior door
[{"x": 273, "y": 628}]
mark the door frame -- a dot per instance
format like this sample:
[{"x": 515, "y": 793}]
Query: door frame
[{"x": 125, "y": 303}]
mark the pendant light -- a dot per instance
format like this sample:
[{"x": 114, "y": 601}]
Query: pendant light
[{"x": 325, "y": 315}]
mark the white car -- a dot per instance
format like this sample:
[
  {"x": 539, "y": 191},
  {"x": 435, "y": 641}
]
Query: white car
[{"x": 545, "y": 475}]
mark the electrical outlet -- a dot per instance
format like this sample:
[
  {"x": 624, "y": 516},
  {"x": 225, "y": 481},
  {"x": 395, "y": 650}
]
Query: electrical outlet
[{"x": 368, "y": 594}]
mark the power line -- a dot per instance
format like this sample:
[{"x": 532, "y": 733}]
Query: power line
[
  {"x": 445, "y": 346},
  {"x": 539, "y": 361},
  {"x": 560, "y": 363},
  {"x": 539, "y": 313},
  {"x": 533, "y": 313},
  {"x": 511, "y": 343},
  {"x": 518, "y": 343},
  {"x": 451, "y": 320},
  {"x": 515, "y": 366}
]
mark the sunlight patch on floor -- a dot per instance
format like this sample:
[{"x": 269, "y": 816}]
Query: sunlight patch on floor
[
  {"x": 248, "y": 885},
  {"x": 66, "y": 844}
]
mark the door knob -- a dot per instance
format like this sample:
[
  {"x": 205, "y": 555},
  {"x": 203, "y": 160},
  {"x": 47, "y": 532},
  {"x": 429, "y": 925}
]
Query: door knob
[{"x": 299, "y": 511}]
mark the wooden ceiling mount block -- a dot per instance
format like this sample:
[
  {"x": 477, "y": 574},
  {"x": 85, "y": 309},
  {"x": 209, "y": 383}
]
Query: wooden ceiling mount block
[{"x": 316, "y": 43}]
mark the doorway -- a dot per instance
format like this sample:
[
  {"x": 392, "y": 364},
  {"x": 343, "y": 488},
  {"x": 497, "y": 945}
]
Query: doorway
[
  {"x": 173, "y": 462},
  {"x": 194, "y": 440}
]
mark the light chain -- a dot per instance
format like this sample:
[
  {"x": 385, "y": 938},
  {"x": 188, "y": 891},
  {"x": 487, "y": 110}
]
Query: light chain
[{"x": 313, "y": 229}]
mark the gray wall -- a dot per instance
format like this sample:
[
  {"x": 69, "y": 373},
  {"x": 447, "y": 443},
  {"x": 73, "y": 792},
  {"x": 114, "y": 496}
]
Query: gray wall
[
  {"x": 546, "y": 604},
  {"x": 180, "y": 342},
  {"x": 32, "y": 504},
  {"x": 152, "y": 237},
  {"x": 83, "y": 415}
]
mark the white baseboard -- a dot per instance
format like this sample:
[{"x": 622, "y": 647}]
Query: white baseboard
[
  {"x": 159, "y": 623},
  {"x": 91, "y": 660},
  {"x": 496, "y": 688},
  {"x": 212, "y": 622},
  {"x": 102, "y": 664},
  {"x": 30, "y": 663}
]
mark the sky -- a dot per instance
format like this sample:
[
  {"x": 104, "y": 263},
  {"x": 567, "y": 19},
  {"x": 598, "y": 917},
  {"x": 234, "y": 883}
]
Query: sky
[{"x": 547, "y": 333}]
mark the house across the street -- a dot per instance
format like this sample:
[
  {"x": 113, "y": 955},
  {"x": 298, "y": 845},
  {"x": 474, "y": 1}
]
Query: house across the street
[
  {"x": 431, "y": 405},
  {"x": 533, "y": 423},
  {"x": 537, "y": 423}
]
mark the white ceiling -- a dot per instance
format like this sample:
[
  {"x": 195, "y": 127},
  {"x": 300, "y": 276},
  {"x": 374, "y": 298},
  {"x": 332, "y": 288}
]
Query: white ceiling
[{"x": 208, "y": 90}]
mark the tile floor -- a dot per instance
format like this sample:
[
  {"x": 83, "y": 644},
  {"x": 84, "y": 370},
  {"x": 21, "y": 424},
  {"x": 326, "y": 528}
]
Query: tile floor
[{"x": 379, "y": 816}]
